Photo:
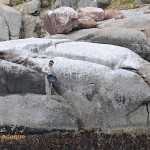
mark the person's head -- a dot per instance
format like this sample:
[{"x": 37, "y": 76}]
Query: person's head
[{"x": 51, "y": 62}]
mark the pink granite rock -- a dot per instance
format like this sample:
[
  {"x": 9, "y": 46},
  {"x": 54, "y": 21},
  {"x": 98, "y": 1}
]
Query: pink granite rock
[
  {"x": 61, "y": 20},
  {"x": 95, "y": 13},
  {"x": 87, "y": 22}
]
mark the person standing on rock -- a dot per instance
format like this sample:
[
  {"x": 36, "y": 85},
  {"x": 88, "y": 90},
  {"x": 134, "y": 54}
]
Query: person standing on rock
[{"x": 49, "y": 77}]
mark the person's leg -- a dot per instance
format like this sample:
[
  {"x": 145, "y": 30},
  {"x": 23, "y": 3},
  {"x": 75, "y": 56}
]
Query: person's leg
[{"x": 47, "y": 86}]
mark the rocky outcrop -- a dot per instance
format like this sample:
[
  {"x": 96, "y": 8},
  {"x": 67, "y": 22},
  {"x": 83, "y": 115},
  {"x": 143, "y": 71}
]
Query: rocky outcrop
[
  {"x": 4, "y": 31},
  {"x": 103, "y": 85},
  {"x": 130, "y": 38},
  {"x": 13, "y": 20},
  {"x": 60, "y": 20},
  {"x": 19, "y": 79},
  {"x": 37, "y": 111},
  {"x": 95, "y": 13},
  {"x": 86, "y": 22}
]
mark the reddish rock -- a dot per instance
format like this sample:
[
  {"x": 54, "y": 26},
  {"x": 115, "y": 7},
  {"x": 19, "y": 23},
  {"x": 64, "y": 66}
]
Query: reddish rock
[
  {"x": 114, "y": 14},
  {"x": 95, "y": 13},
  {"x": 61, "y": 20},
  {"x": 87, "y": 22}
]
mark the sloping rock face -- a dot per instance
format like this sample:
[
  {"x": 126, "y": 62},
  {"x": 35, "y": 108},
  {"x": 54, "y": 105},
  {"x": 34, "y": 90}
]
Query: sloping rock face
[
  {"x": 4, "y": 31},
  {"x": 36, "y": 111},
  {"x": 104, "y": 85},
  {"x": 15, "y": 78},
  {"x": 13, "y": 19},
  {"x": 129, "y": 38},
  {"x": 60, "y": 20}
]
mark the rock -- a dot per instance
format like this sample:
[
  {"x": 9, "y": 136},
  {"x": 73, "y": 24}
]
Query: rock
[
  {"x": 68, "y": 3},
  {"x": 19, "y": 79},
  {"x": 87, "y": 3},
  {"x": 130, "y": 38},
  {"x": 4, "y": 31},
  {"x": 103, "y": 84},
  {"x": 31, "y": 26},
  {"x": 99, "y": 90},
  {"x": 130, "y": 20},
  {"x": 113, "y": 14},
  {"x": 103, "y": 3},
  {"x": 34, "y": 7},
  {"x": 20, "y": 50},
  {"x": 95, "y": 13},
  {"x": 37, "y": 112},
  {"x": 145, "y": 1},
  {"x": 13, "y": 19},
  {"x": 61, "y": 20},
  {"x": 87, "y": 22}
]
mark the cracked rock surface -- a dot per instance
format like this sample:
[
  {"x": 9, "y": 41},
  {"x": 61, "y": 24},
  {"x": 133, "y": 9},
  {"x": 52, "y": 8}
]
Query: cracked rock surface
[{"x": 103, "y": 85}]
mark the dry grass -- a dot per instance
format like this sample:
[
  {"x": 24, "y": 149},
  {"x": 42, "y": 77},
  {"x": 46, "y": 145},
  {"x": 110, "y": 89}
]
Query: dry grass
[{"x": 123, "y": 5}]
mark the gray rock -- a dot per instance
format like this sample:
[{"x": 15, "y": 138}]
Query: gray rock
[
  {"x": 68, "y": 3},
  {"x": 129, "y": 38},
  {"x": 4, "y": 32},
  {"x": 103, "y": 3},
  {"x": 13, "y": 19},
  {"x": 34, "y": 7},
  {"x": 36, "y": 111},
  {"x": 145, "y": 1},
  {"x": 19, "y": 79},
  {"x": 87, "y": 3}
]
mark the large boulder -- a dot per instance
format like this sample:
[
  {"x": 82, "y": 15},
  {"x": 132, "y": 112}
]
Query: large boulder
[
  {"x": 37, "y": 112},
  {"x": 105, "y": 85},
  {"x": 13, "y": 19},
  {"x": 4, "y": 31},
  {"x": 31, "y": 26},
  {"x": 86, "y": 22},
  {"x": 87, "y": 3},
  {"x": 34, "y": 7},
  {"x": 19, "y": 50},
  {"x": 95, "y": 13},
  {"x": 16, "y": 78},
  {"x": 68, "y": 3},
  {"x": 130, "y": 20},
  {"x": 129, "y": 38},
  {"x": 61, "y": 20}
]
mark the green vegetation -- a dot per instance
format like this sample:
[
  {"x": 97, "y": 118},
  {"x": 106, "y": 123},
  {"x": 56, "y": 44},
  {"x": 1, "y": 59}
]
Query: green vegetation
[
  {"x": 123, "y": 4},
  {"x": 46, "y": 3},
  {"x": 37, "y": 30}
]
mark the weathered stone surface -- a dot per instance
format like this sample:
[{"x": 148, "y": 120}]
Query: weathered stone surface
[
  {"x": 113, "y": 14},
  {"x": 31, "y": 26},
  {"x": 19, "y": 50},
  {"x": 61, "y": 20},
  {"x": 34, "y": 7},
  {"x": 68, "y": 3},
  {"x": 87, "y": 22},
  {"x": 36, "y": 111},
  {"x": 103, "y": 84},
  {"x": 146, "y": 1},
  {"x": 19, "y": 79},
  {"x": 4, "y": 31},
  {"x": 95, "y": 13},
  {"x": 130, "y": 38},
  {"x": 87, "y": 3},
  {"x": 103, "y": 3},
  {"x": 13, "y": 19}
]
